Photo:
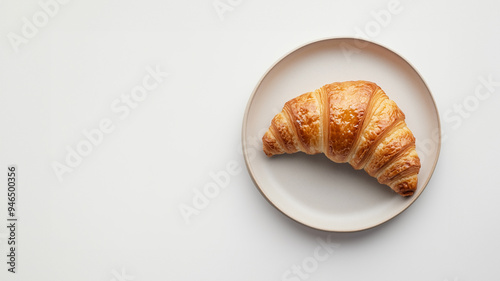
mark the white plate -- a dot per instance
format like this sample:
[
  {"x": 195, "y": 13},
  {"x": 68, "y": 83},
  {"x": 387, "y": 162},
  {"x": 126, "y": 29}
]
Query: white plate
[{"x": 311, "y": 189}]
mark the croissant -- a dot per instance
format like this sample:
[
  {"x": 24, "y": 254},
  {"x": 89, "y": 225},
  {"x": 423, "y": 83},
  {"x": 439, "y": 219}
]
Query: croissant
[{"x": 352, "y": 122}]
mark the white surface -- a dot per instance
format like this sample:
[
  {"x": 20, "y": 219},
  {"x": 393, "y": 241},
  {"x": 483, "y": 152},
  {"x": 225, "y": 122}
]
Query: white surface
[
  {"x": 312, "y": 190},
  {"x": 116, "y": 216}
]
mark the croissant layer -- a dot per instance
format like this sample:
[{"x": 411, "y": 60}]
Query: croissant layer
[{"x": 352, "y": 122}]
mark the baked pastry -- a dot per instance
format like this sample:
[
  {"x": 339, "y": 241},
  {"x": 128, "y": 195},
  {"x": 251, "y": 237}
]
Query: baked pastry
[{"x": 352, "y": 122}]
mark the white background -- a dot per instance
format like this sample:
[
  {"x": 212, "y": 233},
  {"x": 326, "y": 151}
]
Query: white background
[{"x": 116, "y": 216}]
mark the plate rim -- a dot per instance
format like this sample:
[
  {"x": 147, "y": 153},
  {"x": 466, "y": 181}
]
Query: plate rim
[{"x": 259, "y": 83}]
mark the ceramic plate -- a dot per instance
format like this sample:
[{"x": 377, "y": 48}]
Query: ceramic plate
[{"x": 311, "y": 189}]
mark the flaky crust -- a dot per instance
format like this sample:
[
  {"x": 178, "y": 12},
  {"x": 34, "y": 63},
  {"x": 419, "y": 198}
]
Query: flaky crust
[{"x": 352, "y": 122}]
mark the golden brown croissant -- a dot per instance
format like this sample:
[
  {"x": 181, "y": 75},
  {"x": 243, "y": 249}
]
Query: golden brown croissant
[{"x": 351, "y": 122}]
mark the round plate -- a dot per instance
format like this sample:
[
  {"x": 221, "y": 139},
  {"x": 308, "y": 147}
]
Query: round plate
[{"x": 311, "y": 189}]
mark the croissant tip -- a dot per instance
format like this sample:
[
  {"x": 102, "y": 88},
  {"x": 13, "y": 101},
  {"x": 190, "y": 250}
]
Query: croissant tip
[
  {"x": 268, "y": 154},
  {"x": 406, "y": 189}
]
